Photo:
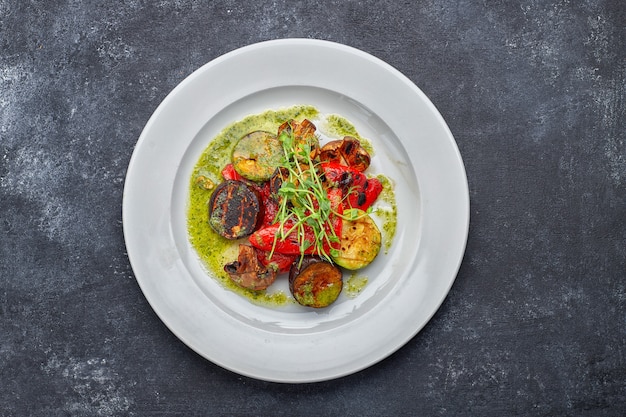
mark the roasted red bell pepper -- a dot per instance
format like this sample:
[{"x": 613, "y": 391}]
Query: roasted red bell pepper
[
  {"x": 360, "y": 190},
  {"x": 270, "y": 206},
  {"x": 280, "y": 261},
  {"x": 264, "y": 237},
  {"x": 229, "y": 173}
]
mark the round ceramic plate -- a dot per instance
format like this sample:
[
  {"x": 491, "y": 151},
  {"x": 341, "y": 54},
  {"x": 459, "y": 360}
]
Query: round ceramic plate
[{"x": 413, "y": 146}]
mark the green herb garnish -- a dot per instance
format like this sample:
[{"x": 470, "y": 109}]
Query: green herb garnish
[{"x": 304, "y": 200}]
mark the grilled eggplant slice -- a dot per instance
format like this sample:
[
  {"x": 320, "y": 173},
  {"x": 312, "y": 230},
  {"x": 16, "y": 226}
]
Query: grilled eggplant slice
[
  {"x": 315, "y": 282},
  {"x": 257, "y": 155},
  {"x": 360, "y": 240},
  {"x": 234, "y": 209}
]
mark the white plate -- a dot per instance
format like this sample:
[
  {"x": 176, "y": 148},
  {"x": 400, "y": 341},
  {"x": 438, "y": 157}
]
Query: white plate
[{"x": 406, "y": 287}]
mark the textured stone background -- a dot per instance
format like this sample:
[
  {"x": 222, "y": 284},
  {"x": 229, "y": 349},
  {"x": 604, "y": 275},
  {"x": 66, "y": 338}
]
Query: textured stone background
[{"x": 534, "y": 94}]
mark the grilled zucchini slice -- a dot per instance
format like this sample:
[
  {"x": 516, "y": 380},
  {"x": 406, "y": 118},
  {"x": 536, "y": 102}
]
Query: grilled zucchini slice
[{"x": 360, "y": 241}]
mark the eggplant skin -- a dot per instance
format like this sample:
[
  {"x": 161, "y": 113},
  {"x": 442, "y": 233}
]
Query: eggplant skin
[
  {"x": 315, "y": 283},
  {"x": 234, "y": 209},
  {"x": 248, "y": 272}
]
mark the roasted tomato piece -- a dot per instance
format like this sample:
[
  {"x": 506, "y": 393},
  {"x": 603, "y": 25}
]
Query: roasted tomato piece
[{"x": 247, "y": 272}]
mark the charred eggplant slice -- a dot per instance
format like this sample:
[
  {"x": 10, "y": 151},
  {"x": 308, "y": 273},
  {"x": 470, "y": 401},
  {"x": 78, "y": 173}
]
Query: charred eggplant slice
[
  {"x": 248, "y": 272},
  {"x": 315, "y": 282},
  {"x": 234, "y": 209},
  {"x": 257, "y": 155}
]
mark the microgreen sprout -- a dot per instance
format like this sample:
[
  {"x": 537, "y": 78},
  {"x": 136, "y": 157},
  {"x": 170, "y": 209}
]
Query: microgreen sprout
[{"x": 304, "y": 201}]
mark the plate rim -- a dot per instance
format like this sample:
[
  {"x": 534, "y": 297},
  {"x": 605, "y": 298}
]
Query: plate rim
[{"x": 299, "y": 42}]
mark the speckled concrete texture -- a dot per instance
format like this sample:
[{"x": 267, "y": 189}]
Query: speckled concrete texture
[{"x": 533, "y": 91}]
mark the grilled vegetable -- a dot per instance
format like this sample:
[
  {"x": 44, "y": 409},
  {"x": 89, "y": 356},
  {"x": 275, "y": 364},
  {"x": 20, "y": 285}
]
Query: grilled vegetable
[
  {"x": 364, "y": 192},
  {"x": 229, "y": 173},
  {"x": 303, "y": 135},
  {"x": 360, "y": 240},
  {"x": 292, "y": 239},
  {"x": 360, "y": 190},
  {"x": 270, "y": 238},
  {"x": 257, "y": 155},
  {"x": 279, "y": 261},
  {"x": 347, "y": 151},
  {"x": 248, "y": 272},
  {"x": 234, "y": 209},
  {"x": 315, "y": 283}
]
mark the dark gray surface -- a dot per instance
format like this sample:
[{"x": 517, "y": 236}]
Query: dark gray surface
[{"x": 533, "y": 91}]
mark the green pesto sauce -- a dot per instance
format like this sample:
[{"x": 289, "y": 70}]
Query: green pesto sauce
[
  {"x": 215, "y": 251},
  {"x": 387, "y": 212},
  {"x": 339, "y": 127},
  {"x": 324, "y": 297},
  {"x": 354, "y": 285}
]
